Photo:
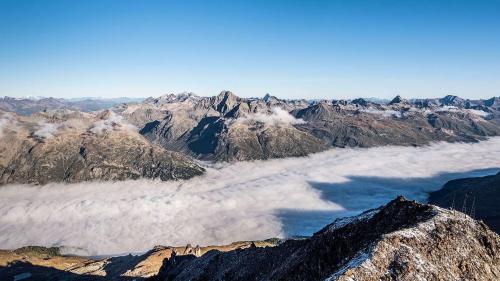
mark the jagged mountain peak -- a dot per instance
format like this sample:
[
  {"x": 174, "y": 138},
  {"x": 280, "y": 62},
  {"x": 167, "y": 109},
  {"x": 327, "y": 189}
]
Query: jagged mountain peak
[
  {"x": 398, "y": 100},
  {"x": 452, "y": 100},
  {"x": 225, "y": 101},
  {"x": 494, "y": 101},
  {"x": 319, "y": 111},
  {"x": 270, "y": 98},
  {"x": 226, "y": 95},
  {"x": 360, "y": 101}
]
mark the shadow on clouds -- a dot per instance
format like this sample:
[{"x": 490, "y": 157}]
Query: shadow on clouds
[{"x": 361, "y": 193}]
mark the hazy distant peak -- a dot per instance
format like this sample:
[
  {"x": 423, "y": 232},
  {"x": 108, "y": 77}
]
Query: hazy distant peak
[
  {"x": 452, "y": 100},
  {"x": 397, "y": 100}
]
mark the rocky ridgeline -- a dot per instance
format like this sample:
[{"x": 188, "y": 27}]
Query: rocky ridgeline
[
  {"x": 402, "y": 240},
  {"x": 227, "y": 128},
  {"x": 40, "y": 263},
  {"x": 71, "y": 146}
]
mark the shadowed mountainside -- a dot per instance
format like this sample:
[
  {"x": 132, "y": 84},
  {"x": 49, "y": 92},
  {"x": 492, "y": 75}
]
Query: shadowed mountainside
[{"x": 478, "y": 197}]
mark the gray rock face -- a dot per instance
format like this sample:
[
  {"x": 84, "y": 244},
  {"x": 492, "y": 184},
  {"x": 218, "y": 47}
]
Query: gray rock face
[
  {"x": 66, "y": 146},
  {"x": 400, "y": 241},
  {"x": 227, "y": 128},
  {"x": 481, "y": 196}
]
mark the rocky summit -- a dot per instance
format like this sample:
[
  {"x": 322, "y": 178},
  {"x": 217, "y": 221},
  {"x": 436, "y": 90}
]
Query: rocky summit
[
  {"x": 402, "y": 240},
  {"x": 228, "y": 128},
  {"x": 72, "y": 146}
]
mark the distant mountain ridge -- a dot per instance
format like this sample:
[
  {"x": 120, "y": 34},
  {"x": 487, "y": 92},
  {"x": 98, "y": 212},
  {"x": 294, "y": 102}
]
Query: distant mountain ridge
[
  {"x": 29, "y": 105},
  {"x": 228, "y": 128}
]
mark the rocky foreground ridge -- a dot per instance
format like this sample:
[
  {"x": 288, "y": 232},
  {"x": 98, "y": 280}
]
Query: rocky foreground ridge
[
  {"x": 227, "y": 128},
  {"x": 402, "y": 240},
  {"x": 73, "y": 146}
]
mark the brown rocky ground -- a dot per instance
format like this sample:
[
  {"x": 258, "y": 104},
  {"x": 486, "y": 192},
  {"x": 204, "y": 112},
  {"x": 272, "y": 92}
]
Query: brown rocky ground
[{"x": 48, "y": 264}]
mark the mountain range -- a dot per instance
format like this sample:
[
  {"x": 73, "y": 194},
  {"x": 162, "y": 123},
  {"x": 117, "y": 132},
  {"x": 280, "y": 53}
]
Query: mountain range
[
  {"x": 158, "y": 137},
  {"x": 229, "y": 128},
  {"x": 29, "y": 105}
]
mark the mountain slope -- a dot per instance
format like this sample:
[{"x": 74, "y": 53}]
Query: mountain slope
[
  {"x": 483, "y": 192},
  {"x": 72, "y": 146}
]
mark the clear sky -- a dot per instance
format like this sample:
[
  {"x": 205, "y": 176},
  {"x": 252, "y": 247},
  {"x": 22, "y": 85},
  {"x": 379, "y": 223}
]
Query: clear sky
[{"x": 309, "y": 49}]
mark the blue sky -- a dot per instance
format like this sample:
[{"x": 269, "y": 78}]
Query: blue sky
[{"x": 291, "y": 49}]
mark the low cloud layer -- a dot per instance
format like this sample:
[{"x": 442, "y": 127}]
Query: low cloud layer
[
  {"x": 7, "y": 121},
  {"x": 112, "y": 122},
  {"x": 46, "y": 130},
  {"x": 385, "y": 113},
  {"x": 240, "y": 201},
  {"x": 277, "y": 117}
]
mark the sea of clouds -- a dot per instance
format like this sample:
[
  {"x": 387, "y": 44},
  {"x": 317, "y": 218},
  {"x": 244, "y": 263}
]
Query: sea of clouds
[{"x": 239, "y": 201}]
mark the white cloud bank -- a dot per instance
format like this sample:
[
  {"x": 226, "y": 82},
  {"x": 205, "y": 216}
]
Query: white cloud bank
[
  {"x": 277, "y": 117},
  {"x": 112, "y": 122},
  {"x": 7, "y": 121},
  {"x": 240, "y": 201},
  {"x": 385, "y": 113},
  {"x": 46, "y": 130}
]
